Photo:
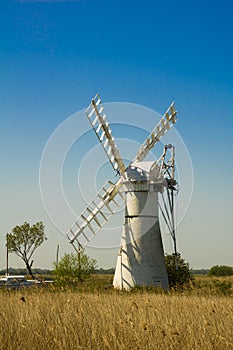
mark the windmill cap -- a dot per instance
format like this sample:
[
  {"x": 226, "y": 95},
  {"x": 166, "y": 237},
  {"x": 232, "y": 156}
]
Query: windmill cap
[{"x": 142, "y": 171}]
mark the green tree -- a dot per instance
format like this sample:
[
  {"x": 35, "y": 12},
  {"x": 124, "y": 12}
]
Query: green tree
[
  {"x": 73, "y": 268},
  {"x": 24, "y": 240},
  {"x": 179, "y": 274},
  {"x": 221, "y": 270}
]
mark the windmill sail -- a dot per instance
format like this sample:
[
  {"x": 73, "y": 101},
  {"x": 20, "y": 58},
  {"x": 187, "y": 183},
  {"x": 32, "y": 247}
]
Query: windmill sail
[
  {"x": 98, "y": 119},
  {"x": 98, "y": 212},
  {"x": 103, "y": 206},
  {"x": 165, "y": 123}
]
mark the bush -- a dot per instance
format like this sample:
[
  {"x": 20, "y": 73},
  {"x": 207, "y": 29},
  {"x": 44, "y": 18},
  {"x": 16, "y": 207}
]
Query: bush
[
  {"x": 74, "y": 268},
  {"x": 220, "y": 271},
  {"x": 223, "y": 287},
  {"x": 179, "y": 274}
]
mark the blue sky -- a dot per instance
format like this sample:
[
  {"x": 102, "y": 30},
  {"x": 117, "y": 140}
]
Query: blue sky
[{"x": 54, "y": 57}]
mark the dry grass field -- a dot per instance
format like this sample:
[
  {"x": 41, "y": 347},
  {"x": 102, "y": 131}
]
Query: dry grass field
[{"x": 59, "y": 319}]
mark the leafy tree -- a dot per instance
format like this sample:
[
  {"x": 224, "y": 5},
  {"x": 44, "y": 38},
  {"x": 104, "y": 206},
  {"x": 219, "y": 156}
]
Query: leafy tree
[
  {"x": 179, "y": 274},
  {"x": 24, "y": 240},
  {"x": 73, "y": 268},
  {"x": 221, "y": 270}
]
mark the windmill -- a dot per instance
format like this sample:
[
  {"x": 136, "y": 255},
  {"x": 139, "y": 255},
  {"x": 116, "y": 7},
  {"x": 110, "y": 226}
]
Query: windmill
[{"x": 140, "y": 259}]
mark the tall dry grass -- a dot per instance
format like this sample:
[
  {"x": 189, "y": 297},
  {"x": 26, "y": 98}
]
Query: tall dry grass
[{"x": 110, "y": 320}]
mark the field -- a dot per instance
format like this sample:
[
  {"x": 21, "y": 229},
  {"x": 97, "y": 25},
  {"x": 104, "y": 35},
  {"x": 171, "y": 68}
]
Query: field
[{"x": 99, "y": 318}]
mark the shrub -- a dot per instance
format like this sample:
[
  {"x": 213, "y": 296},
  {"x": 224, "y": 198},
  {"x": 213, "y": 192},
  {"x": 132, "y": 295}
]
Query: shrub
[
  {"x": 74, "y": 268},
  {"x": 223, "y": 287},
  {"x": 221, "y": 270},
  {"x": 179, "y": 274}
]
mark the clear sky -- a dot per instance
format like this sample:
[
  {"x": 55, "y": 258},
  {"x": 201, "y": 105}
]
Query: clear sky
[{"x": 55, "y": 56}]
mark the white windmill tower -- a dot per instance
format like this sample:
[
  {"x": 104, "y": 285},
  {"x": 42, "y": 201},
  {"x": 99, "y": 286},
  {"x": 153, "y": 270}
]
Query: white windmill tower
[{"x": 141, "y": 257}]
